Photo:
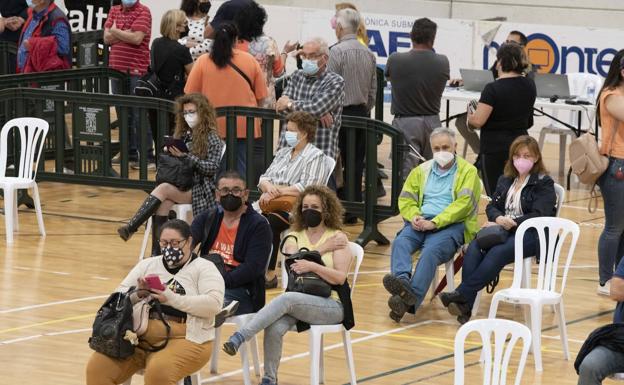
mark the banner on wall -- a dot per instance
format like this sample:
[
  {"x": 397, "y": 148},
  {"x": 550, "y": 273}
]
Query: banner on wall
[{"x": 87, "y": 15}]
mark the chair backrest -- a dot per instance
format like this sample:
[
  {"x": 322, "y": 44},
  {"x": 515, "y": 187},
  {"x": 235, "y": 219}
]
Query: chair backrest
[
  {"x": 223, "y": 151},
  {"x": 330, "y": 164},
  {"x": 552, "y": 233},
  {"x": 560, "y": 192},
  {"x": 32, "y": 133},
  {"x": 358, "y": 252},
  {"x": 495, "y": 365}
]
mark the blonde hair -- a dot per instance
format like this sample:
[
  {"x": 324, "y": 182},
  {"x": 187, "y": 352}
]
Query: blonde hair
[
  {"x": 361, "y": 30},
  {"x": 207, "y": 122},
  {"x": 332, "y": 208},
  {"x": 169, "y": 23}
]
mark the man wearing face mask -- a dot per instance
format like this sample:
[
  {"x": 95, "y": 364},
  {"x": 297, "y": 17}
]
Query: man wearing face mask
[
  {"x": 238, "y": 240},
  {"x": 316, "y": 90},
  {"x": 439, "y": 204}
]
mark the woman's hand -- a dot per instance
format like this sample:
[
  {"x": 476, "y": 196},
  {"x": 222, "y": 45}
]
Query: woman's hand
[
  {"x": 265, "y": 198},
  {"x": 336, "y": 242},
  {"x": 191, "y": 44},
  {"x": 159, "y": 295},
  {"x": 303, "y": 266},
  {"x": 143, "y": 288},
  {"x": 175, "y": 152},
  {"x": 506, "y": 222},
  {"x": 488, "y": 224}
]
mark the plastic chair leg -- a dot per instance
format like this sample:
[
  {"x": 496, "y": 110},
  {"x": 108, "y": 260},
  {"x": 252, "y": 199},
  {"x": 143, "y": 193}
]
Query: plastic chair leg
[
  {"x": 148, "y": 231},
  {"x": 450, "y": 275},
  {"x": 542, "y": 137},
  {"x": 214, "y": 359},
  {"x": 563, "y": 330},
  {"x": 536, "y": 332},
  {"x": 14, "y": 208},
  {"x": 9, "y": 194},
  {"x": 434, "y": 282},
  {"x": 245, "y": 363},
  {"x": 253, "y": 347},
  {"x": 562, "y": 152},
  {"x": 37, "y": 210},
  {"x": 315, "y": 352},
  {"x": 195, "y": 379},
  {"x": 346, "y": 342},
  {"x": 475, "y": 305}
]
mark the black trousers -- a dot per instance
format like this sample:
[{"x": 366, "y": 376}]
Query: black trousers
[
  {"x": 492, "y": 167},
  {"x": 360, "y": 151},
  {"x": 279, "y": 223}
]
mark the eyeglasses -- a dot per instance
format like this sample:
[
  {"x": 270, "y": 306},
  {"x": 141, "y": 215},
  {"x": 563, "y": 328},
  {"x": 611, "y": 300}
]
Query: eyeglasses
[
  {"x": 234, "y": 191},
  {"x": 189, "y": 112},
  {"x": 174, "y": 243}
]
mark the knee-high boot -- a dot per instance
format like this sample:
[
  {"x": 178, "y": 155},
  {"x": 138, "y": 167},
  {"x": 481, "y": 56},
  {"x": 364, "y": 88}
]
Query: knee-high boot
[
  {"x": 147, "y": 209},
  {"x": 157, "y": 222}
]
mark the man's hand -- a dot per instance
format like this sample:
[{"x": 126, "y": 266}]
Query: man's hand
[
  {"x": 425, "y": 225},
  {"x": 506, "y": 222},
  {"x": 282, "y": 103},
  {"x": 415, "y": 220},
  {"x": 289, "y": 47},
  {"x": 327, "y": 121}
]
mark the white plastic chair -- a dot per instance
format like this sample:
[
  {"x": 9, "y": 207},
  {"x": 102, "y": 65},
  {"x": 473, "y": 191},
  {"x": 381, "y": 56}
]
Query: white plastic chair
[
  {"x": 330, "y": 164},
  {"x": 183, "y": 211},
  {"x": 495, "y": 370},
  {"x": 546, "y": 292},
  {"x": 32, "y": 133},
  {"x": 450, "y": 277},
  {"x": 526, "y": 277}
]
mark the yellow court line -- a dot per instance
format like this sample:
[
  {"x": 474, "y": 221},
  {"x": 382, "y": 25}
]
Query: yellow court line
[{"x": 48, "y": 322}]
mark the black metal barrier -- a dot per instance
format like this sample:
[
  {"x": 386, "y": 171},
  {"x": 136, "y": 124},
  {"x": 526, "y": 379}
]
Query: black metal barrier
[
  {"x": 379, "y": 97},
  {"x": 92, "y": 79},
  {"x": 8, "y": 52}
]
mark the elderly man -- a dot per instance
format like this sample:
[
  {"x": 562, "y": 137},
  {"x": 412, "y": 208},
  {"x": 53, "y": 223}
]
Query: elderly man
[
  {"x": 318, "y": 91},
  {"x": 356, "y": 64},
  {"x": 45, "y": 43},
  {"x": 439, "y": 205}
]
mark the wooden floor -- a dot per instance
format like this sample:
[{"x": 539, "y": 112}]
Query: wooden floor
[{"x": 51, "y": 287}]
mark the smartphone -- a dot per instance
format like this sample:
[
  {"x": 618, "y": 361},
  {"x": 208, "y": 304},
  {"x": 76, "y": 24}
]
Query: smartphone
[
  {"x": 153, "y": 281},
  {"x": 170, "y": 141}
]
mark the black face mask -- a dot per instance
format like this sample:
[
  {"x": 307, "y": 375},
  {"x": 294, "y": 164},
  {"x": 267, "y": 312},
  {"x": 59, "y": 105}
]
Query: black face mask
[
  {"x": 230, "y": 202},
  {"x": 185, "y": 33},
  {"x": 311, "y": 217},
  {"x": 204, "y": 7}
]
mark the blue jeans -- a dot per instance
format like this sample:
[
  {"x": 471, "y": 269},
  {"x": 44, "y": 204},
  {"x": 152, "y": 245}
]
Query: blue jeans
[
  {"x": 133, "y": 121},
  {"x": 598, "y": 364},
  {"x": 242, "y": 295},
  {"x": 482, "y": 266},
  {"x": 611, "y": 241},
  {"x": 437, "y": 247}
]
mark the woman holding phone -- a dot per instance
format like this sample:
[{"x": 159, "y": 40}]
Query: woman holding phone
[
  {"x": 192, "y": 294},
  {"x": 196, "y": 125}
]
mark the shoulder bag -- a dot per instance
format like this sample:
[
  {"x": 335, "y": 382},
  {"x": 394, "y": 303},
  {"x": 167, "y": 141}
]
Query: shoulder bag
[
  {"x": 307, "y": 283},
  {"x": 244, "y": 75},
  {"x": 491, "y": 236},
  {"x": 282, "y": 203},
  {"x": 174, "y": 170}
]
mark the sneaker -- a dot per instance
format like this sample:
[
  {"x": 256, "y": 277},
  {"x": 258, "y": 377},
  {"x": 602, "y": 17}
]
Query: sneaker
[
  {"x": 604, "y": 289},
  {"x": 226, "y": 312},
  {"x": 400, "y": 287}
]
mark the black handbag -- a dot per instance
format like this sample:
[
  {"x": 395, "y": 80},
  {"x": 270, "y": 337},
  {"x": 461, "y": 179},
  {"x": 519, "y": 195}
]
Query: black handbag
[
  {"x": 113, "y": 333},
  {"x": 491, "y": 236},
  {"x": 307, "y": 283},
  {"x": 174, "y": 170}
]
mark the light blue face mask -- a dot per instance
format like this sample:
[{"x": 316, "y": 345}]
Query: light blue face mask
[
  {"x": 292, "y": 139},
  {"x": 29, "y": 3},
  {"x": 128, "y": 3},
  {"x": 309, "y": 67}
]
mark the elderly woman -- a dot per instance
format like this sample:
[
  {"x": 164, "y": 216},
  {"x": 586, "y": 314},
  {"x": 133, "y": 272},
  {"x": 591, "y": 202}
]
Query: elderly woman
[
  {"x": 196, "y": 126},
  {"x": 317, "y": 218},
  {"x": 523, "y": 192},
  {"x": 298, "y": 165},
  {"x": 192, "y": 296}
]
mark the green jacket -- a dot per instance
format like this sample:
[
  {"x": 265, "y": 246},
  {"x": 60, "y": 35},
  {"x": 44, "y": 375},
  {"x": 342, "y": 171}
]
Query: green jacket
[{"x": 466, "y": 194}]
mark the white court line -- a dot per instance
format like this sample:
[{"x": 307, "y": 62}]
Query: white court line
[
  {"x": 578, "y": 207},
  {"x": 559, "y": 338},
  {"x": 371, "y": 336},
  {"x": 41, "y": 270},
  {"x": 22, "y": 339},
  {"x": 23, "y": 308},
  {"x": 372, "y": 272}
]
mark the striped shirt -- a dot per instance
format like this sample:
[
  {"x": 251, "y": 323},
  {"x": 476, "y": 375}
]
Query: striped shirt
[
  {"x": 356, "y": 64},
  {"x": 304, "y": 169},
  {"x": 318, "y": 95},
  {"x": 127, "y": 57}
]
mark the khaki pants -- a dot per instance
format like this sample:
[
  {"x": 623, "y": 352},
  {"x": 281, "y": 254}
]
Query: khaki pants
[{"x": 166, "y": 367}]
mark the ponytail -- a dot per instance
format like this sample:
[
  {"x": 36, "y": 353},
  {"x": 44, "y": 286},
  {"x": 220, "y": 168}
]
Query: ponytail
[{"x": 224, "y": 41}]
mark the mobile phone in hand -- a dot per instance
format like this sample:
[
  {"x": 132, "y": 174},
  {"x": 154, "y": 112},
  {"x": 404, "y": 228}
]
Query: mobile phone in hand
[
  {"x": 153, "y": 282},
  {"x": 170, "y": 141}
]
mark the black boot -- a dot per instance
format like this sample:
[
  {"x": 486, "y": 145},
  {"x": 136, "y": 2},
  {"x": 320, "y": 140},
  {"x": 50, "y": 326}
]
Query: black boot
[
  {"x": 157, "y": 222},
  {"x": 149, "y": 207}
]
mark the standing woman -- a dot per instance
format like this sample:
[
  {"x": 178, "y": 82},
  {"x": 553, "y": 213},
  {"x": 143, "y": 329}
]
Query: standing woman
[
  {"x": 610, "y": 106},
  {"x": 197, "y": 17},
  {"x": 196, "y": 125},
  {"x": 504, "y": 112}
]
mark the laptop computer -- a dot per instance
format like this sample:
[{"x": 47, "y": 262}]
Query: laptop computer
[
  {"x": 549, "y": 85},
  {"x": 475, "y": 80}
]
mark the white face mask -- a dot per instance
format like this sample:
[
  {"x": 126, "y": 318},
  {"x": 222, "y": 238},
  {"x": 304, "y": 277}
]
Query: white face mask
[
  {"x": 191, "y": 120},
  {"x": 443, "y": 158}
]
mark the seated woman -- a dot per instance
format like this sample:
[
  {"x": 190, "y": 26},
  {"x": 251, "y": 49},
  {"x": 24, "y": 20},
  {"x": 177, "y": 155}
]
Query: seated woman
[
  {"x": 523, "y": 192},
  {"x": 317, "y": 217},
  {"x": 193, "y": 295},
  {"x": 195, "y": 124},
  {"x": 295, "y": 167}
]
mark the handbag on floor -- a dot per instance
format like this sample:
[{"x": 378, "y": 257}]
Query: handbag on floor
[{"x": 307, "y": 283}]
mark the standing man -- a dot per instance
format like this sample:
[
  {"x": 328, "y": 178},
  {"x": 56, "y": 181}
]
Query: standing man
[
  {"x": 356, "y": 64},
  {"x": 318, "y": 91},
  {"x": 127, "y": 31},
  {"x": 14, "y": 14},
  {"x": 418, "y": 78}
]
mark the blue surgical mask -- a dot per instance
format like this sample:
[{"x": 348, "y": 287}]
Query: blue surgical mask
[
  {"x": 291, "y": 138},
  {"x": 128, "y": 3},
  {"x": 29, "y": 3},
  {"x": 309, "y": 67}
]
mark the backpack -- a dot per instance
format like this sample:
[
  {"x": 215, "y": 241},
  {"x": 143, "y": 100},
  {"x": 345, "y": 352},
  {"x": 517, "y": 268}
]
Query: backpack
[{"x": 588, "y": 164}]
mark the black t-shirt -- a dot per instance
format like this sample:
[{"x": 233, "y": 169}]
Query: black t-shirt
[
  {"x": 512, "y": 101},
  {"x": 10, "y": 8},
  {"x": 169, "y": 58}
]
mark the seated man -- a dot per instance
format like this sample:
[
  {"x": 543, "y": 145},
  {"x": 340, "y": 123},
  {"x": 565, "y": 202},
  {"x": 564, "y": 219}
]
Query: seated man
[
  {"x": 238, "y": 240},
  {"x": 602, "y": 361},
  {"x": 439, "y": 204}
]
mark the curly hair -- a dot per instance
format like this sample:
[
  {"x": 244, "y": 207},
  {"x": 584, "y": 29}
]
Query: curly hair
[
  {"x": 332, "y": 208},
  {"x": 207, "y": 122}
]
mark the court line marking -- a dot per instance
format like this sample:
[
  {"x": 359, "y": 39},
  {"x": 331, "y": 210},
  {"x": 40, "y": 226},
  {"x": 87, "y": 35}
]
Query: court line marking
[
  {"x": 47, "y": 304},
  {"x": 22, "y": 339},
  {"x": 54, "y": 321}
]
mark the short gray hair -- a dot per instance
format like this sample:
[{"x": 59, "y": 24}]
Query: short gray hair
[
  {"x": 323, "y": 47},
  {"x": 443, "y": 131},
  {"x": 349, "y": 19}
]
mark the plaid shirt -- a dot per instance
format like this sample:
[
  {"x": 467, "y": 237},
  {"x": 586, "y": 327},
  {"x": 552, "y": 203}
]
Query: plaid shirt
[
  {"x": 318, "y": 95},
  {"x": 204, "y": 174}
]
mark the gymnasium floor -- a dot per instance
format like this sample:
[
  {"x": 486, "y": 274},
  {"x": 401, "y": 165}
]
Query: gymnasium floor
[{"x": 51, "y": 288}]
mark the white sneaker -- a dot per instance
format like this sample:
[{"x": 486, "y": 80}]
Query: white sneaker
[{"x": 604, "y": 289}]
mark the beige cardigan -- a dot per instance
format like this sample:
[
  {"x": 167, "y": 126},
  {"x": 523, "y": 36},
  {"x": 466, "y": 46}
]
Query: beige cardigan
[{"x": 204, "y": 289}]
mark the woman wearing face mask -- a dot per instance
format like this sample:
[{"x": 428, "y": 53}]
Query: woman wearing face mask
[
  {"x": 316, "y": 223},
  {"x": 524, "y": 191},
  {"x": 298, "y": 165},
  {"x": 193, "y": 294},
  {"x": 196, "y": 125},
  {"x": 196, "y": 16}
]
